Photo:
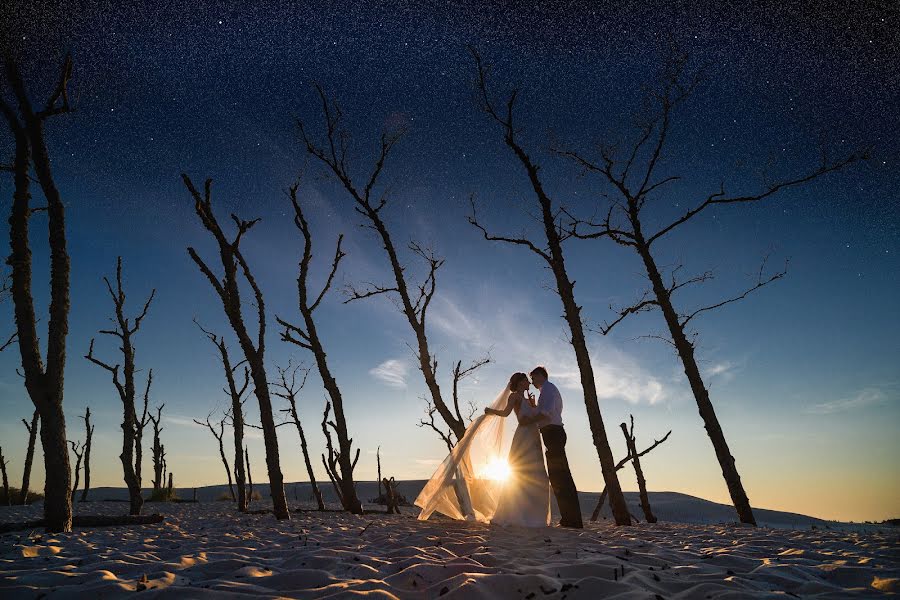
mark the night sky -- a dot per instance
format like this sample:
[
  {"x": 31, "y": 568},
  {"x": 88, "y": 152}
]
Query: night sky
[{"x": 804, "y": 373}]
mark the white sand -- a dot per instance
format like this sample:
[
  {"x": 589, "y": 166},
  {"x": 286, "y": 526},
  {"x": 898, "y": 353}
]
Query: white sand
[{"x": 207, "y": 550}]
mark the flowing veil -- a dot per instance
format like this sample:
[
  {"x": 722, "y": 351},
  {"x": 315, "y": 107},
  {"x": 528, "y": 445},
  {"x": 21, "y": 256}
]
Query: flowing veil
[{"x": 459, "y": 487}]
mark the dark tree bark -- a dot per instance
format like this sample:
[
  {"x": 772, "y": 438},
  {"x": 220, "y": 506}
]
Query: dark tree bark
[
  {"x": 3, "y": 463},
  {"x": 414, "y": 304},
  {"x": 29, "y": 456},
  {"x": 123, "y": 332},
  {"x": 5, "y": 294},
  {"x": 170, "y": 489},
  {"x": 159, "y": 452},
  {"x": 459, "y": 373},
  {"x": 45, "y": 385},
  {"x": 621, "y": 464},
  {"x": 140, "y": 425},
  {"x": 288, "y": 388},
  {"x": 237, "y": 413},
  {"x": 330, "y": 463},
  {"x": 552, "y": 254},
  {"x": 633, "y": 181},
  {"x": 78, "y": 449},
  {"x": 228, "y": 291},
  {"x": 380, "y": 482},
  {"x": 89, "y": 434},
  {"x": 219, "y": 435},
  {"x": 307, "y": 337},
  {"x": 638, "y": 472},
  {"x": 249, "y": 476}
]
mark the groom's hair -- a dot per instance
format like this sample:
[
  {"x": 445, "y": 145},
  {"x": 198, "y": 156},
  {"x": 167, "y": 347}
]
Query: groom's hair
[{"x": 540, "y": 371}]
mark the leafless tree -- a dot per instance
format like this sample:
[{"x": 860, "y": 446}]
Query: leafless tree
[
  {"x": 6, "y": 294},
  {"x": 639, "y": 473},
  {"x": 551, "y": 252},
  {"x": 44, "y": 384},
  {"x": 124, "y": 330},
  {"x": 236, "y": 413},
  {"x": 219, "y": 435},
  {"x": 3, "y": 463},
  {"x": 330, "y": 458},
  {"x": 414, "y": 299},
  {"x": 78, "y": 450},
  {"x": 620, "y": 465},
  {"x": 89, "y": 434},
  {"x": 159, "y": 452},
  {"x": 249, "y": 475},
  {"x": 287, "y": 387},
  {"x": 634, "y": 178},
  {"x": 29, "y": 455},
  {"x": 459, "y": 373},
  {"x": 307, "y": 337},
  {"x": 228, "y": 291}
]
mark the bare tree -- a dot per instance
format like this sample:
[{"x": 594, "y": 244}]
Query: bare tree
[
  {"x": 634, "y": 180},
  {"x": 459, "y": 373},
  {"x": 44, "y": 384},
  {"x": 3, "y": 463},
  {"x": 414, "y": 299},
  {"x": 330, "y": 456},
  {"x": 6, "y": 294},
  {"x": 159, "y": 453},
  {"x": 621, "y": 464},
  {"x": 124, "y": 330},
  {"x": 89, "y": 434},
  {"x": 236, "y": 413},
  {"x": 219, "y": 435},
  {"x": 639, "y": 473},
  {"x": 29, "y": 455},
  {"x": 551, "y": 252},
  {"x": 228, "y": 291},
  {"x": 288, "y": 388},
  {"x": 307, "y": 337},
  {"x": 249, "y": 475},
  {"x": 78, "y": 449}
]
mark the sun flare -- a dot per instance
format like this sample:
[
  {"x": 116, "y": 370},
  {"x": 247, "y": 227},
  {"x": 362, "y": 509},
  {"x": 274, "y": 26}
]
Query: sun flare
[{"x": 497, "y": 470}]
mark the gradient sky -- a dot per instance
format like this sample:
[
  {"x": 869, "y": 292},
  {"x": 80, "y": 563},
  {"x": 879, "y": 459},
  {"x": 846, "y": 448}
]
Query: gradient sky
[{"x": 804, "y": 374}]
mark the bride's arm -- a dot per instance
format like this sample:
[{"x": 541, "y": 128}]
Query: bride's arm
[{"x": 510, "y": 404}]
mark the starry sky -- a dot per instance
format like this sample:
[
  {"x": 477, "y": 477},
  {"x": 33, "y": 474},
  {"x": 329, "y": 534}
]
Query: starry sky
[{"x": 804, "y": 373}]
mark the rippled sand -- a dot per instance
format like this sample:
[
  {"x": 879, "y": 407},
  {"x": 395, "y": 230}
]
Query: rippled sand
[{"x": 209, "y": 550}]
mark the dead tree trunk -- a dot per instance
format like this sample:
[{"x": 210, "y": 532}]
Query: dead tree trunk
[
  {"x": 44, "y": 385},
  {"x": 552, "y": 254},
  {"x": 249, "y": 476},
  {"x": 124, "y": 331},
  {"x": 3, "y": 463},
  {"x": 288, "y": 390},
  {"x": 414, "y": 305},
  {"x": 140, "y": 425},
  {"x": 78, "y": 449},
  {"x": 307, "y": 337},
  {"x": 638, "y": 472},
  {"x": 170, "y": 489},
  {"x": 219, "y": 436},
  {"x": 378, "y": 458},
  {"x": 89, "y": 434},
  {"x": 621, "y": 464},
  {"x": 229, "y": 293},
  {"x": 29, "y": 456},
  {"x": 330, "y": 463},
  {"x": 237, "y": 414},
  {"x": 633, "y": 182},
  {"x": 159, "y": 452},
  {"x": 459, "y": 373}
]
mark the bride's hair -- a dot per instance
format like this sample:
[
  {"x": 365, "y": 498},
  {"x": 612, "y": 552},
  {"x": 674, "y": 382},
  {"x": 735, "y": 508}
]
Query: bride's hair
[{"x": 515, "y": 380}]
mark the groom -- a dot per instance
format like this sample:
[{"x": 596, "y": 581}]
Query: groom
[{"x": 549, "y": 420}]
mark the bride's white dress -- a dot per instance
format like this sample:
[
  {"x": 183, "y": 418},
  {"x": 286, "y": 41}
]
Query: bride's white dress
[{"x": 525, "y": 497}]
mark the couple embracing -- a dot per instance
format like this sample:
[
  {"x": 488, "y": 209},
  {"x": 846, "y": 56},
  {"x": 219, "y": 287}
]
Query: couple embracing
[{"x": 476, "y": 482}]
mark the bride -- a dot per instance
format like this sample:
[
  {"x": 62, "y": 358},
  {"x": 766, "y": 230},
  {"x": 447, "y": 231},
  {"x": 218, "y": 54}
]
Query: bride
[{"x": 475, "y": 482}]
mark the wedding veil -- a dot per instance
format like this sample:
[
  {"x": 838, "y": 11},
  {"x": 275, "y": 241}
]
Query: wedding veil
[{"x": 461, "y": 487}]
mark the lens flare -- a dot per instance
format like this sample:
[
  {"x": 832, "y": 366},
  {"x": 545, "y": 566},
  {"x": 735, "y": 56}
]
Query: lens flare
[{"x": 497, "y": 470}]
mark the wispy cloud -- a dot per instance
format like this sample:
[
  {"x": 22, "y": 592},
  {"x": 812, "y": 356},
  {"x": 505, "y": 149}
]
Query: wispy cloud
[
  {"x": 867, "y": 396},
  {"x": 391, "y": 372},
  {"x": 180, "y": 421}
]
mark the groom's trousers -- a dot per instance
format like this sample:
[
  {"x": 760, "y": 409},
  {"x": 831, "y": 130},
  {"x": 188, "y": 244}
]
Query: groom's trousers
[{"x": 561, "y": 477}]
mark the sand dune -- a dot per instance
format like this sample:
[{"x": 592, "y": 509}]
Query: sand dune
[{"x": 206, "y": 550}]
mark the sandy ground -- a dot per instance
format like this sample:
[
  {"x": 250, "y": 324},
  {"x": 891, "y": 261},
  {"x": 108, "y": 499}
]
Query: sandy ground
[{"x": 207, "y": 550}]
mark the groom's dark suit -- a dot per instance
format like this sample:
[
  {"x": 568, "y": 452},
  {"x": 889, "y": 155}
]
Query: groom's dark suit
[{"x": 550, "y": 405}]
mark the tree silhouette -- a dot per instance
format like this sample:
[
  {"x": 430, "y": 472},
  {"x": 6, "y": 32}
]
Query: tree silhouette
[
  {"x": 124, "y": 331},
  {"x": 89, "y": 435},
  {"x": 633, "y": 181},
  {"x": 219, "y": 435},
  {"x": 43, "y": 383},
  {"x": 29, "y": 455},
  {"x": 459, "y": 373},
  {"x": 551, "y": 252}
]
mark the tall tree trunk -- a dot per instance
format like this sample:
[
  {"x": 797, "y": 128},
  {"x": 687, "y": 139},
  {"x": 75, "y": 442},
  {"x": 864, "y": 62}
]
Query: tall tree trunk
[
  {"x": 227, "y": 470},
  {"x": 320, "y": 502},
  {"x": 29, "y": 456},
  {"x": 89, "y": 432},
  {"x": 638, "y": 472},
  {"x": 701, "y": 395},
  {"x": 3, "y": 463},
  {"x": 249, "y": 476},
  {"x": 78, "y": 449},
  {"x": 45, "y": 386}
]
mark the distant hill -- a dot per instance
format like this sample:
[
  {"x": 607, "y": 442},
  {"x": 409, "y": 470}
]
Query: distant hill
[{"x": 667, "y": 506}]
